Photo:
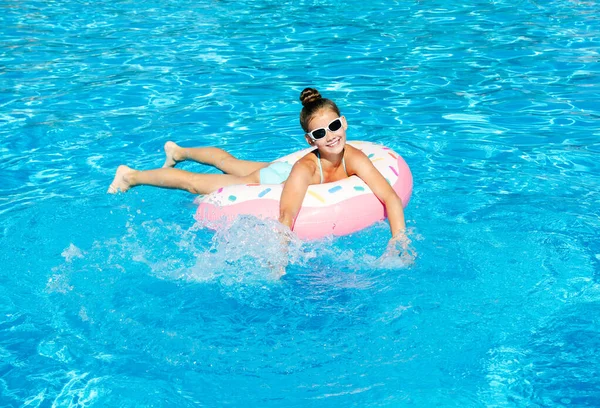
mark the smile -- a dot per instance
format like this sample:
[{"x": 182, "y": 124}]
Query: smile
[{"x": 334, "y": 142}]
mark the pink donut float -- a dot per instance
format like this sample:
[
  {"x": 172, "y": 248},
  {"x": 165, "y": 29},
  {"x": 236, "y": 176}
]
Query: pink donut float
[{"x": 337, "y": 208}]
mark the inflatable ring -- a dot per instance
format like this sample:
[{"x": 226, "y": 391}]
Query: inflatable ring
[{"x": 337, "y": 208}]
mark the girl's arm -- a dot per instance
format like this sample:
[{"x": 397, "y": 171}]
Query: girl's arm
[
  {"x": 360, "y": 165},
  {"x": 293, "y": 193}
]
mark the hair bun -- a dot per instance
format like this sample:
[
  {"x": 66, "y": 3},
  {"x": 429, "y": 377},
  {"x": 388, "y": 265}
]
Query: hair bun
[{"x": 309, "y": 96}]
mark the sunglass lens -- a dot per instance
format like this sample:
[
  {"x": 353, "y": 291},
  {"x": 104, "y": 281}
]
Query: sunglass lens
[
  {"x": 319, "y": 133},
  {"x": 335, "y": 125}
]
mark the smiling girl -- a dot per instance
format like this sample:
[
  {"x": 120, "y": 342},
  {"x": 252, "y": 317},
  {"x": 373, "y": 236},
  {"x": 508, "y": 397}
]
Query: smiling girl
[{"x": 331, "y": 160}]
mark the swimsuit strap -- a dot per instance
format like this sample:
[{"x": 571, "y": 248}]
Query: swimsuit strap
[{"x": 321, "y": 167}]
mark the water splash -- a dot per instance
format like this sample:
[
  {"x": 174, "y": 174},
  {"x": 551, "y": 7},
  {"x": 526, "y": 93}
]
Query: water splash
[
  {"x": 72, "y": 252},
  {"x": 249, "y": 249}
]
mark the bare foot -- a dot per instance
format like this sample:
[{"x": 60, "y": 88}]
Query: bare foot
[
  {"x": 172, "y": 153},
  {"x": 121, "y": 180}
]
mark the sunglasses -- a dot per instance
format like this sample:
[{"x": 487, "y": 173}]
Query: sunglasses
[{"x": 320, "y": 133}]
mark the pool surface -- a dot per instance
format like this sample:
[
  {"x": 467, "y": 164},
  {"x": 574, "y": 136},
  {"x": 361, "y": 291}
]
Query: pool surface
[{"x": 123, "y": 301}]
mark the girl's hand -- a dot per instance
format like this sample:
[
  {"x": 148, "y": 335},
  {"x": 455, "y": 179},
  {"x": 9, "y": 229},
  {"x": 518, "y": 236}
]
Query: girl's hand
[
  {"x": 285, "y": 238},
  {"x": 398, "y": 248},
  {"x": 400, "y": 242}
]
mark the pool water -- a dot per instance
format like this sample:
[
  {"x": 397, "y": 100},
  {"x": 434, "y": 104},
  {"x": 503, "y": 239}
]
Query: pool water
[{"x": 124, "y": 301}]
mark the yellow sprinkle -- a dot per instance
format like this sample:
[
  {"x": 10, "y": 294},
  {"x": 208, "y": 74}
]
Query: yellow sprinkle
[
  {"x": 315, "y": 195},
  {"x": 377, "y": 159}
]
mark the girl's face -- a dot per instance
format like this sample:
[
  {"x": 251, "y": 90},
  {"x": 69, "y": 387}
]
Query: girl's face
[{"x": 327, "y": 131}]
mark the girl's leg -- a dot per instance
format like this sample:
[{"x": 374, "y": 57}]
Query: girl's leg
[
  {"x": 195, "y": 183},
  {"x": 213, "y": 156}
]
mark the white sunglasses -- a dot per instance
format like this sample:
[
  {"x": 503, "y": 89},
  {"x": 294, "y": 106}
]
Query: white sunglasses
[{"x": 320, "y": 133}]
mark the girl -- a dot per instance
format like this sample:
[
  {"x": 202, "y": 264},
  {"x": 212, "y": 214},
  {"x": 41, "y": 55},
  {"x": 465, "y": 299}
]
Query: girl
[{"x": 331, "y": 160}]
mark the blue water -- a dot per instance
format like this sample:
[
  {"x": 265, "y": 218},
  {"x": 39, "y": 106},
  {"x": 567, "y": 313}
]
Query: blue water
[{"x": 123, "y": 301}]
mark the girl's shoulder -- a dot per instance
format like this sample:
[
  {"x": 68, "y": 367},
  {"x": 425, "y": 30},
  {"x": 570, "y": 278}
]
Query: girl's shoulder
[
  {"x": 351, "y": 154},
  {"x": 308, "y": 161},
  {"x": 310, "y": 157},
  {"x": 356, "y": 160}
]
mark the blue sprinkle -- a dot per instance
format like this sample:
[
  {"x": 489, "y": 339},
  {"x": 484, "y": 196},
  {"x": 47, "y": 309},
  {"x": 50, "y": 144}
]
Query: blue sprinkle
[
  {"x": 371, "y": 155},
  {"x": 335, "y": 189},
  {"x": 232, "y": 198},
  {"x": 359, "y": 188},
  {"x": 262, "y": 193}
]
